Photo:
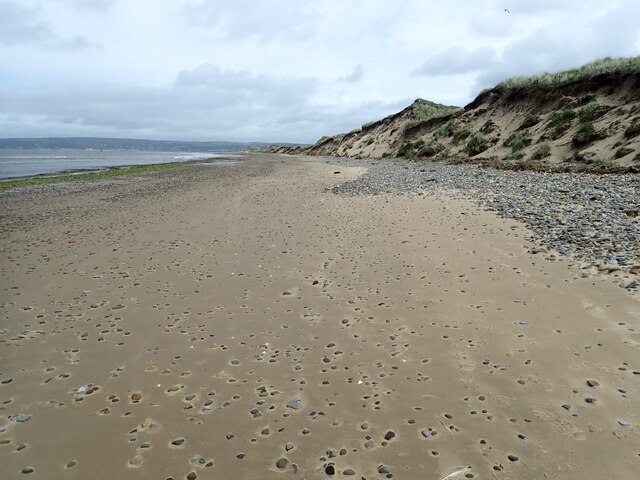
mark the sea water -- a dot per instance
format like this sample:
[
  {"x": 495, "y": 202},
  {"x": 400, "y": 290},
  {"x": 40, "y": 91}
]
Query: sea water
[{"x": 22, "y": 162}]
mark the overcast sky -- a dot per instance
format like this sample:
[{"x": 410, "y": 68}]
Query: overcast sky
[{"x": 277, "y": 70}]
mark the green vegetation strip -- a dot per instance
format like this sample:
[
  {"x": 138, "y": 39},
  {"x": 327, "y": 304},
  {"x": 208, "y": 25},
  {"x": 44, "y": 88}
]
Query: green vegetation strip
[{"x": 87, "y": 176}]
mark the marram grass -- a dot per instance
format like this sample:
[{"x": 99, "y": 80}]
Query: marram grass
[
  {"x": 424, "y": 110},
  {"x": 590, "y": 70}
]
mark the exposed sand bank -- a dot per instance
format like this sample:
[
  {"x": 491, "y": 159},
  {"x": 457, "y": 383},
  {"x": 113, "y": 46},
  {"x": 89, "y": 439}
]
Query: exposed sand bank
[{"x": 248, "y": 312}]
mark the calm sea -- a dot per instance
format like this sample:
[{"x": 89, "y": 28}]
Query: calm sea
[{"x": 25, "y": 162}]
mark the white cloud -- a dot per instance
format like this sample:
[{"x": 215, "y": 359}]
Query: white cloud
[{"x": 457, "y": 60}]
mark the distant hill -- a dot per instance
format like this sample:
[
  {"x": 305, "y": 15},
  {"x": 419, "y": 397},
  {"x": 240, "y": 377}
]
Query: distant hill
[
  {"x": 127, "y": 144},
  {"x": 585, "y": 119}
]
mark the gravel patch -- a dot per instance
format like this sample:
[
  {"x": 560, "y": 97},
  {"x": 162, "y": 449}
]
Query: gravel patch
[{"x": 595, "y": 218}]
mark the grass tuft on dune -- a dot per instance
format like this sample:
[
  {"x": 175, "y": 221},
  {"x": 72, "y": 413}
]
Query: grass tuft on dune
[{"x": 601, "y": 66}]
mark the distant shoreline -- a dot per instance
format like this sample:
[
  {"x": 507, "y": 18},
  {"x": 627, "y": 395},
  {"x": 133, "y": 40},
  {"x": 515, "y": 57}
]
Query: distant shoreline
[
  {"x": 24, "y": 163},
  {"x": 102, "y": 172}
]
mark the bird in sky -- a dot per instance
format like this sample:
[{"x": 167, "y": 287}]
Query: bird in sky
[{"x": 507, "y": 10}]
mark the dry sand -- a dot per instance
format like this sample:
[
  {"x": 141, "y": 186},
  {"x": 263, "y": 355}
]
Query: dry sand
[{"x": 244, "y": 323}]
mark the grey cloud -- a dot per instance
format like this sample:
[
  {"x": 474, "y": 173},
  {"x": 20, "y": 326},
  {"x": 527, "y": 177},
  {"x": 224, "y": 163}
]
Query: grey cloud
[
  {"x": 267, "y": 19},
  {"x": 355, "y": 76},
  {"x": 455, "y": 61},
  {"x": 93, "y": 4},
  {"x": 21, "y": 25},
  {"x": 204, "y": 103},
  {"x": 244, "y": 87},
  {"x": 320, "y": 120}
]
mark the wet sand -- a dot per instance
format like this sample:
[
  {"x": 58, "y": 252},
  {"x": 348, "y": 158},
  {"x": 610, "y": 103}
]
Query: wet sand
[{"x": 244, "y": 322}]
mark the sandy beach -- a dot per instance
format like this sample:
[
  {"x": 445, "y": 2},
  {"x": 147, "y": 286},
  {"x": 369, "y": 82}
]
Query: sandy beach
[{"x": 246, "y": 322}]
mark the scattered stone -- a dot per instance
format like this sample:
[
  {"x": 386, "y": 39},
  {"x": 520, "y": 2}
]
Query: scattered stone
[
  {"x": 623, "y": 422},
  {"x": 282, "y": 463},
  {"x": 426, "y": 433},
  {"x": 389, "y": 435},
  {"x": 513, "y": 458},
  {"x": 295, "y": 404},
  {"x": 580, "y": 215},
  {"x": 177, "y": 442},
  {"x": 593, "y": 383}
]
